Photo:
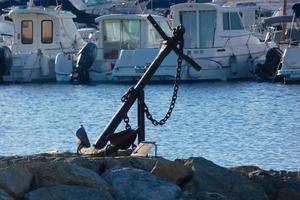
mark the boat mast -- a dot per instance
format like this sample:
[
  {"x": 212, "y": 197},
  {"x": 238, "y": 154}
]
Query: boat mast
[{"x": 284, "y": 8}]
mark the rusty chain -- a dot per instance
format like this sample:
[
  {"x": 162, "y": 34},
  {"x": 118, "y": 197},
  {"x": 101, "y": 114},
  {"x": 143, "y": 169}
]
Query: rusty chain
[{"x": 177, "y": 36}]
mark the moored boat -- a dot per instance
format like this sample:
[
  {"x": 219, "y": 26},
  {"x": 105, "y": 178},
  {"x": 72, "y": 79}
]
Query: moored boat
[
  {"x": 290, "y": 66},
  {"x": 215, "y": 38},
  {"x": 36, "y": 36}
]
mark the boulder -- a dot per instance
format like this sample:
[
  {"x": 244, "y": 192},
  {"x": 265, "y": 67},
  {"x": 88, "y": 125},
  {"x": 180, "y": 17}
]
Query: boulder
[
  {"x": 143, "y": 163},
  {"x": 130, "y": 183},
  {"x": 67, "y": 192},
  {"x": 61, "y": 173},
  {"x": 273, "y": 181},
  {"x": 211, "y": 178},
  {"x": 288, "y": 194},
  {"x": 5, "y": 196},
  {"x": 171, "y": 171},
  {"x": 15, "y": 181}
]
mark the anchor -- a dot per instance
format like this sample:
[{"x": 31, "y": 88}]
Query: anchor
[{"x": 126, "y": 138}]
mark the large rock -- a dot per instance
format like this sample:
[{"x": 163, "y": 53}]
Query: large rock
[
  {"x": 213, "y": 179},
  {"x": 288, "y": 194},
  {"x": 15, "y": 180},
  {"x": 67, "y": 192},
  {"x": 273, "y": 181},
  {"x": 61, "y": 173},
  {"x": 172, "y": 171},
  {"x": 129, "y": 183},
  {"x": 146, "y": 164},
  {"x": 5, "y": 196}
]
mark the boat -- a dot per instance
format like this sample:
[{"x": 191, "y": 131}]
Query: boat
[
  {"x": 289, "y": 70},
  {"x": 33, "y": 40},
  {"x": 217, "y": 40},
  {"x": 126, "y": 45}
]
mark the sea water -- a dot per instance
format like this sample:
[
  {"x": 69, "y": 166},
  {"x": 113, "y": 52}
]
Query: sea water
[{"x": 230, "y": 123}]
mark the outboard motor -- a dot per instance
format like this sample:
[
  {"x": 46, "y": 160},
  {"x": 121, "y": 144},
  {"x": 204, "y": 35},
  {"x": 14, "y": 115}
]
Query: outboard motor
[
  {"x": 86, "y": 58},
  {"x": 267, "y": 71},
  {"x": 5, "y": 61}
]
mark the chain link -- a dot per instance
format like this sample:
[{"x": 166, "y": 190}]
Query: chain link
[
  {"x": 175, "y": 89},
  {"x": 173, "y": 99},
  {"x": 132, "y": 91}
]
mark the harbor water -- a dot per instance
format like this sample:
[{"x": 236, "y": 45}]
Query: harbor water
[{"x": 230, "y": 123}]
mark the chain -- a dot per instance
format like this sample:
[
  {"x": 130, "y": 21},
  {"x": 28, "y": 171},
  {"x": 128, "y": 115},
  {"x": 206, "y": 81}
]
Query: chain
[
  {"x": 124, "y": 99},
  {"x": 175, "y": 89},
  {"x": 178, "y": 36}
]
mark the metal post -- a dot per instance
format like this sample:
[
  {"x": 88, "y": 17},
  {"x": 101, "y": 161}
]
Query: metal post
[{"x": 141, "y": 117}]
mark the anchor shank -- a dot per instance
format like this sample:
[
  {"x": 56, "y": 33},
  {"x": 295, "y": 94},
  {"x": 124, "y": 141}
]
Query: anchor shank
[{"x": 125, "y": 107}]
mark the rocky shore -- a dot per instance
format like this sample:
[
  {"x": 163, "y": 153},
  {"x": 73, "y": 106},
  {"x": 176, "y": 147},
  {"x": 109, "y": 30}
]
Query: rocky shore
[{"x": 68, "y": 176}]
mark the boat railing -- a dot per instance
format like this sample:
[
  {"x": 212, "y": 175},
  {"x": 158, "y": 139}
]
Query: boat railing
[{"x": 230, "y": 37}]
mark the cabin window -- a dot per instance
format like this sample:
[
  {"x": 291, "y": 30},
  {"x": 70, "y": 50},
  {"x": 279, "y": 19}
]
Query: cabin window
[
  {"x": 232, "y": 21},
  {"x": 207, "y": 25},
  {"x": 154, "y": 37},
  {"x": 188, "y": 19},
  {"x": 120, "y": 34},
  {"x": 130, "y": 36},
  {"x": 47, "y": 31},
  {"x": 27, "y": 32}
]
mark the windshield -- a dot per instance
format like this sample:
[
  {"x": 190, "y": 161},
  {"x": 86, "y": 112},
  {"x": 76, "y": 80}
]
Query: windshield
[{"x": 6, "y": 29}]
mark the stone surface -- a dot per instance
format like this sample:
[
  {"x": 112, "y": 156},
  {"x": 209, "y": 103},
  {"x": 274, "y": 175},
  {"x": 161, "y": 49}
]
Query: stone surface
[
  {"x": 273, "y": 181},
  {"x": 15, "y": 181},
  {"x": 66, "y": 192},
  {"x": 129, "y": 183},
  {"x": 60, "y": 173},
  {"x": 211, "y": 178},
  {"x": 5, "y": 196},
  {"x": 171, "y": 171},
  {"x": 288, "y": 194}
]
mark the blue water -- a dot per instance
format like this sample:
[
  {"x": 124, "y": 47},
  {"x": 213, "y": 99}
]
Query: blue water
[{"x": 230, "y": 123}]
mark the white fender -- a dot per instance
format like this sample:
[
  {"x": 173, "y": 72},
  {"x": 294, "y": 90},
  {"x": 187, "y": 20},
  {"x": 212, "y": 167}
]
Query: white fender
[
  {"x": 63, "y": 67},
  {"x": 233, "y": 63}
]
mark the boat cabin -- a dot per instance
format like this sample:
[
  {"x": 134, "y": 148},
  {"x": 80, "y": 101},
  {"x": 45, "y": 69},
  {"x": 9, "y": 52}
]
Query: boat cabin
[
  {"x": 207, "y": 25},
  {"x": 45, "y": 29},
  {"x": 127, "y": 32}
]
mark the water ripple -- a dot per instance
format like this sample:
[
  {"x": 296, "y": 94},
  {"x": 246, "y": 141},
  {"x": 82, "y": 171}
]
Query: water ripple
[{"x": 231, "y": 123}]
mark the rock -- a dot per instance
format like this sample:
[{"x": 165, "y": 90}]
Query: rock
[
  {"x": 5, "y": 196},
  {"x": 67, "y": 192},
  {"x": 288, "y": 194},
  {"x": 129, "y": 183},
  {"x": 146, "y": 164},
  {"x": 15, "y": 181},
  {"x": 273, "y": 181},
  {"x": 211, "y": 178},
  {"x": 244, "y": 170},
  {"x": 61, "y": 173},
  {"x": 172, "y": 171},
  {"x": 91, "y": 163},
  {"x": 203, "y": 196}
]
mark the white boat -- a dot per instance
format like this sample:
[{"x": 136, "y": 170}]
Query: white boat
[
  {"x": 217, "y": 40},
  {"x": 127, "y": 44},
  {"x": 31, "y": 39},
  {"x": 290, "y": 67}
]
